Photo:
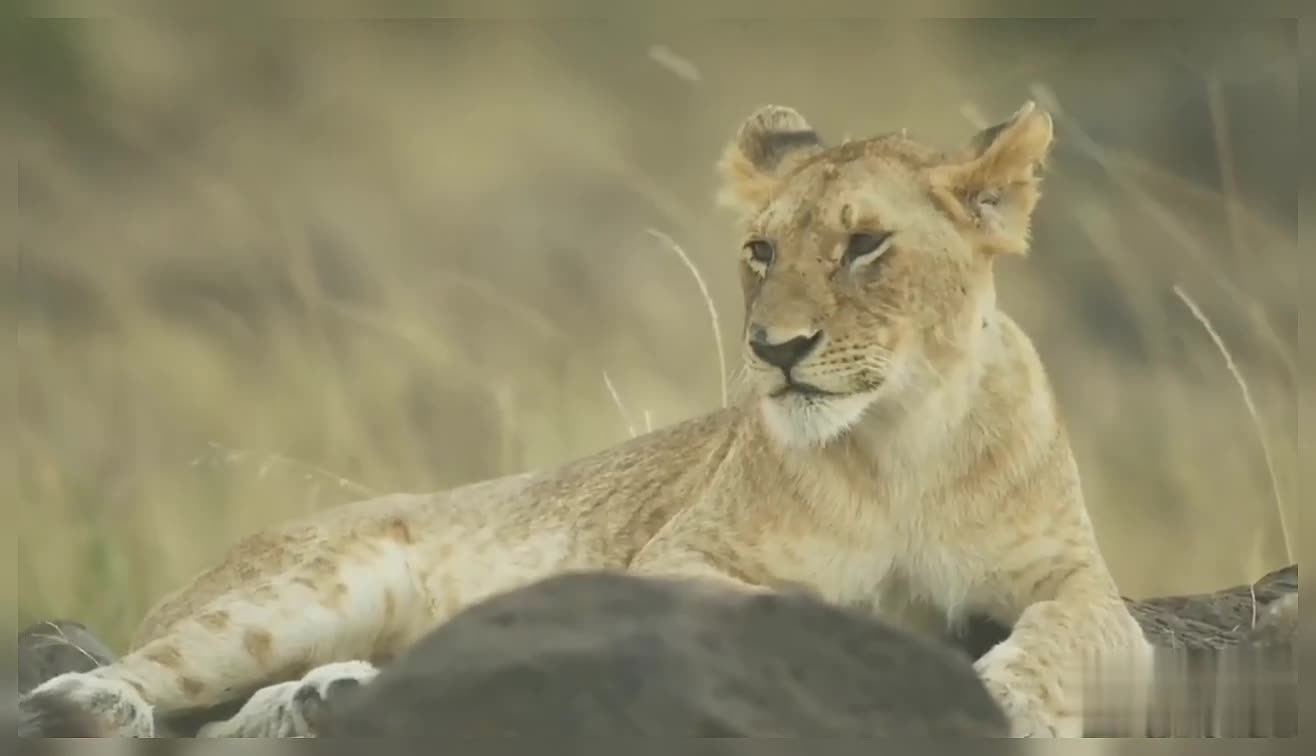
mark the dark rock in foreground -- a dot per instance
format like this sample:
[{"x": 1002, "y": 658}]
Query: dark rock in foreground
[
  {"x": 595, "y": 655},
  {"x": 53, "y": 647}
]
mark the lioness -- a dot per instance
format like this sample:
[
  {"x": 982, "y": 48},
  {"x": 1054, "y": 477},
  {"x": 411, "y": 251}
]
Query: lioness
[{"x": 895, "y": 447}]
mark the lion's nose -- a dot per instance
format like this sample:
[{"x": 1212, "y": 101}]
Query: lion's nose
[{"x": 784, "y": 354}]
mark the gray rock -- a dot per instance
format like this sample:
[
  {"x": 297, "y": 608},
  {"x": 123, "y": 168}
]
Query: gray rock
[{"x": 594, "y": 655}]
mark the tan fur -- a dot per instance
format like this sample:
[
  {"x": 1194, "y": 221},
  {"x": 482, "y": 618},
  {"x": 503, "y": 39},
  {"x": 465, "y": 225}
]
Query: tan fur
[{"x": 933, "y": 480}]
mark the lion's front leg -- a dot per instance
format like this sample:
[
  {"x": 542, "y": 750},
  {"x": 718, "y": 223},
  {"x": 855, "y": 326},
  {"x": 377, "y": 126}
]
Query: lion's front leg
[
  {"x": 1040, "y": 674},
  {"x": 337, "y": 601}
]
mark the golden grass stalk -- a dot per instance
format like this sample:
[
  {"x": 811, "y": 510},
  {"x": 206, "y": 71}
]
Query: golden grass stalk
[
  {"x": 1251, "y": 410},
  {"x": 621, "y": 407},
  {"x": 270, "y": 460},
  {"x": 708, "y": 300}
]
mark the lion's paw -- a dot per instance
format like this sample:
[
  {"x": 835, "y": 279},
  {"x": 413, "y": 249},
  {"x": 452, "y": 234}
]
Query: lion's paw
[
  {"x": 1030, "y": 696},
  {"x": 83, "y": 704},
  {"x": 293, "y": 709}
]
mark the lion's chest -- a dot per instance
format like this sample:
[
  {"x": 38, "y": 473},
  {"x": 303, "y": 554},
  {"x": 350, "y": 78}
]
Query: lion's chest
[{"x": 897, "y": 568}]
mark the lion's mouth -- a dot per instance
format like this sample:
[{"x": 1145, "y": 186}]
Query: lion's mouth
[{"x": 800, "y": 388}]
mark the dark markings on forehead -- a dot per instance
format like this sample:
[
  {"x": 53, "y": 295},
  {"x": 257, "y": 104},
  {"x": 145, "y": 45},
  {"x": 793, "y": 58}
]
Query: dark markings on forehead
[
  {"x": 768, "y": 151},
  {"x": 886, "y": 145},
  {"x": 816, "y": 183}
]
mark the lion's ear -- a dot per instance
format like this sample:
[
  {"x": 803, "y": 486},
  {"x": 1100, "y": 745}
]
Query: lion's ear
[
  {"x": 768, "y": 144},
  {"x": 992, "y": 188}
]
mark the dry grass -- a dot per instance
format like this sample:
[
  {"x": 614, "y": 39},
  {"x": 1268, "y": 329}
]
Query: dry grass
[
  {"x": 327, "y": 259},
  {"x": 713, "y": 320},
  {"x": 1252, "y": 412}
]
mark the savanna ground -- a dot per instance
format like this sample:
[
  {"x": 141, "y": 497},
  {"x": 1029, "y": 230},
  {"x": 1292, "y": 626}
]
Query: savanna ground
[{"x": 267, "y": 267}]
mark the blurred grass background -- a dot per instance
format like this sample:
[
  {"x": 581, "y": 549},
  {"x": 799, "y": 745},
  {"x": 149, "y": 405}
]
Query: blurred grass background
[{"x": 264, "y": 267}]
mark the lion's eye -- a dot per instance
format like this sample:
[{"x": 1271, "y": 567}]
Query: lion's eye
[
  {"x": 760, "y": 252},
  {"x": 866, "y": 245}
]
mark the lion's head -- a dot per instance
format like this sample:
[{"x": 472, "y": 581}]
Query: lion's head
[{"x": 866, "y": 266}]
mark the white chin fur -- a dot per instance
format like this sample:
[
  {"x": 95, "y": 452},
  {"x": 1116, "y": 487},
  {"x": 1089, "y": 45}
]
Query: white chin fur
[{"x": 802, "y": 421}]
